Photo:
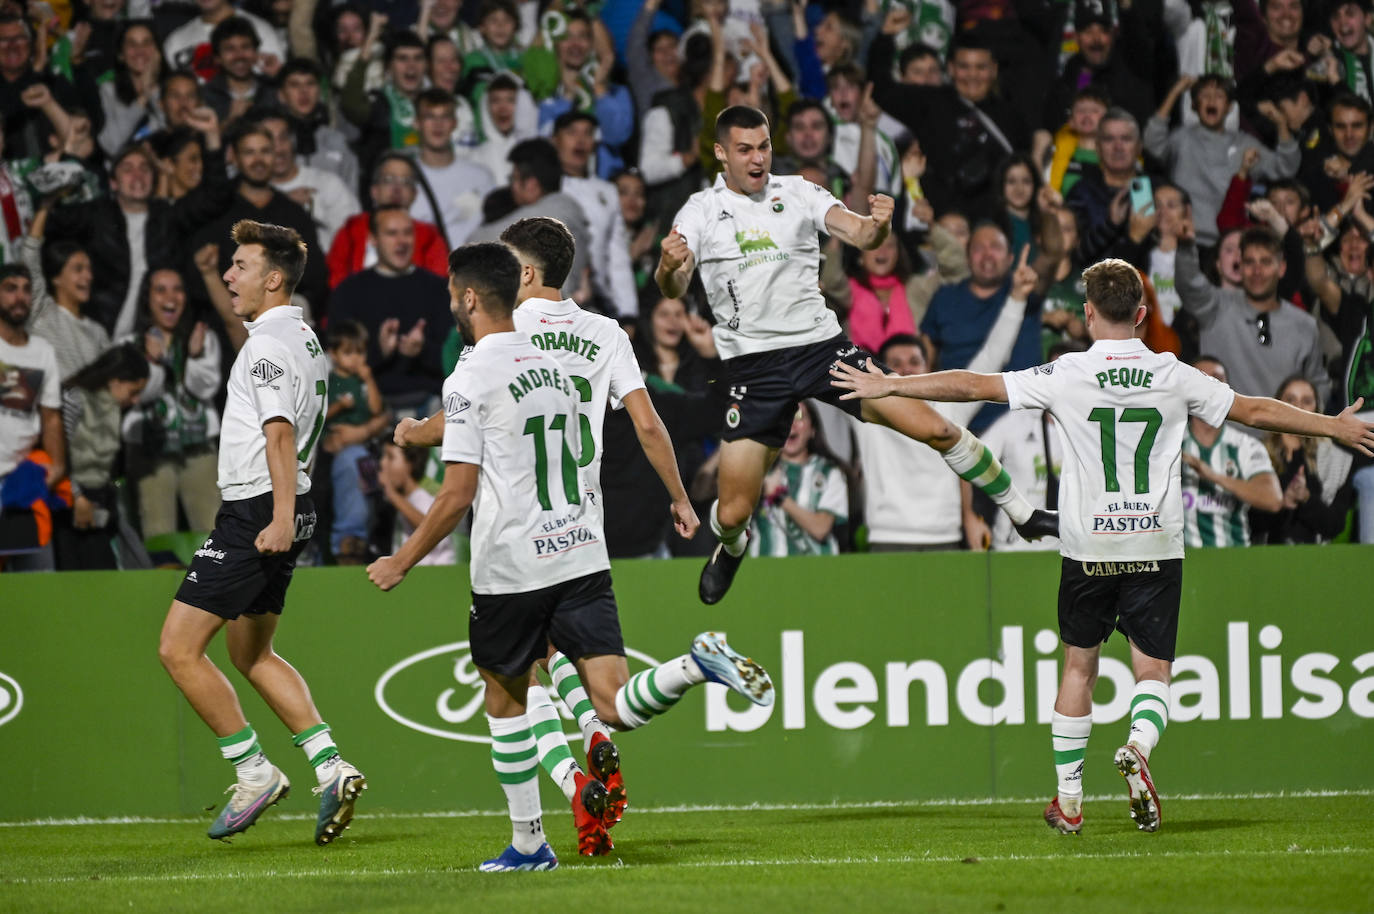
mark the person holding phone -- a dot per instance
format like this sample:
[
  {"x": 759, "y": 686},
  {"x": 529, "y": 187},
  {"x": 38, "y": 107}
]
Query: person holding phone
[{"x": 1202, "y": 157}]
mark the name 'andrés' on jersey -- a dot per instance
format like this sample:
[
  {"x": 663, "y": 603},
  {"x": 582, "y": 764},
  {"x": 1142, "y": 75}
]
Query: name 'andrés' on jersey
[{"x": 535, "y": 378}]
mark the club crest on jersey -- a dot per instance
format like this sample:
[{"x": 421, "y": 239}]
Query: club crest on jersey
[
  {"x": 455, "y": 403},
  {"x": 754, "y": 240},
  {"x": 266, "y": 371},
  {"x": 732, "y": 416},
  {"x": 777, "y": 204}
]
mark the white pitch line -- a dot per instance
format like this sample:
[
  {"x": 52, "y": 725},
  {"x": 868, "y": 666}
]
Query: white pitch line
[
  {"x": 905, "y": 859},
  {"x": 747, "y": 807}
]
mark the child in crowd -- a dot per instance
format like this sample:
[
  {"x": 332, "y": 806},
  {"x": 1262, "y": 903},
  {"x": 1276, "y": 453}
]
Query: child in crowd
[
  {"x": 400, "y": 473},
  {"x": 353, "y": 417}
]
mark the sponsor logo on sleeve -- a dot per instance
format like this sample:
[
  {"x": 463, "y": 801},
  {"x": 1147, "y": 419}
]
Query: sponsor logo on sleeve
[
  {"x": 454, "y": 404},
  {"x": 266, "y": 371}
]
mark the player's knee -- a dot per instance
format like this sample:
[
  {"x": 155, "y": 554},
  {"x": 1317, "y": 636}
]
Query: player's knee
[
  {"x": 174, "y": 655},
  {"x": 734, "y": 512}
]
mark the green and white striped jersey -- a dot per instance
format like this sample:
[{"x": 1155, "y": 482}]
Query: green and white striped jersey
[
  {"x": 1212, "y": 516},
  {"x": 817, "y": 485}
]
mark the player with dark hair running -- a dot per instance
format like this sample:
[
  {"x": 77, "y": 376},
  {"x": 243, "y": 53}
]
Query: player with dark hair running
[
  {"x": 754, "y": 237},
  {"x": 515, "y": 441},
  {"x": 1123, "y": 411},
  {"x": 238, "y": 578}
]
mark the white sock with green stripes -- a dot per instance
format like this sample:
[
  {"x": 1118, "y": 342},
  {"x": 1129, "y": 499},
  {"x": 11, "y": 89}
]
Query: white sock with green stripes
[
  {"x": 249, "y": 760},
  {"x": 552, "y": 745},
  {"x": 1070, "y": 735},
  {"x": 972, "y": 460},
  {"x": 1149, "y": 714},
  {"x": 649, "y": 693},
  {"x": 318, "y": 744},
  {"x": 734, "y": 540},
  {"x": 568, "y": 685},
  {"x": 516, "y": 761}
]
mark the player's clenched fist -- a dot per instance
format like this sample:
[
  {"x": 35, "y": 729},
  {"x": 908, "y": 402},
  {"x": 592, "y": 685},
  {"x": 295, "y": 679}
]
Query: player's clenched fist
[
  {"x": 880, "y": 208},
  {"x": 675, "y": 250}
]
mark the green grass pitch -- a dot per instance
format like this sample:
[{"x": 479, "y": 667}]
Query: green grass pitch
[{"x": 1243, "y": 854}]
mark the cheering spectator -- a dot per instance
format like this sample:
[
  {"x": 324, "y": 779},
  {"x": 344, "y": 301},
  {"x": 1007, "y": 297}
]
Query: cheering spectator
[
  {"x": 61, "y": 288},
  {"x": 1225, "y": 472},
  {"x": 130, "y": 100},
  {"x": 964, "y": 128},
  {"x": 24, "y": 126},
  {"x": 386, "y": 116},
  {"x": 611, "y": 104},
  {"x": 130, "y": 230},
  {"x": 652, "y": 58},
  {"x": 1259, "y": 337},
  {"x": 859, "y": 147},
  {"x": 536, "y": 176},
  {"x": 256, "y": 199},
  {"x": 506, "y": 115},
  {"x": 880, "y": 300},
  {"x": 1123, "y": 72},
  {"x": 574, "y": 137},
  {"x": 172, "y": 437},
  {"x": 1101, "y": 198},
  {"x": 318, "y": 145},
  {"x": 31, "y": 391},
  {"x": 91, "y": 411},
  {"x": 324, "y": 195},
  {"x": 235, "y": 87},
  {"x": 405, "y": 311},
  {"x": 1325, "y": 165},
  {"x": 395, "y": 182},
  {"x": 1313, "y": 474},
  {"x": 451, "y": 192},
  {"x": 1074, "y": 147},
  {"x": 1202, "y": 157},
  {"x": 180, "y": 156},
  {"x": 189, "y": 47},
  {"x": 644, "y": 231},
  {"x": 804, "y": 497}
]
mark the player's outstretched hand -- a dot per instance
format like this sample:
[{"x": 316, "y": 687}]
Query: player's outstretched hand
[
  {"x": 685, "y": 520},
  {"x": 868, "y": 384},
  {"x": 275, "y": 538},
  {"x": 674, "y": 250},
  {"x": 880, "y": 209},
  {"x": 402, "y": 427},
  {"x": 1354, "y": 431},
  {"x": 385, "y": 573}
]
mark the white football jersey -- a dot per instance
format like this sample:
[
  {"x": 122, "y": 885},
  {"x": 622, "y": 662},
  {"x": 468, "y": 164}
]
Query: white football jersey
[
  {"x": 760, "y": 260},
  {"x": 601, "y": 364},
  {"x": 514, "y": 411},
  {"x": 281, "y": 372},
  {"x": 1123, "y": 411}
]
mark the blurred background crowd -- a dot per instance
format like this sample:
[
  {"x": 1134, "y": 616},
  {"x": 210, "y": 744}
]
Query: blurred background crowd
[{"x": 1222, "y": 147}]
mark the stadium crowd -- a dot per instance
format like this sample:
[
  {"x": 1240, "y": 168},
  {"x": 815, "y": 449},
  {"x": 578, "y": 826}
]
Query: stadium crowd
[{"x": 1222, "y": 147}]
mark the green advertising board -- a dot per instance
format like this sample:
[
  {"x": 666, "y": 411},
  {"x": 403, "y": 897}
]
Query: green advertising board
[{"x": 898, "y": 677}]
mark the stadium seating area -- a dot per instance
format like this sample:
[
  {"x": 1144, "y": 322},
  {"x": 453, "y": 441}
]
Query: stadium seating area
[{"x": 1223, "y": 149}]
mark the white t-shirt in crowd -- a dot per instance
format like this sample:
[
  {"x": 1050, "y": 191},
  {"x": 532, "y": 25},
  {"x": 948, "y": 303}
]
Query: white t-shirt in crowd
[
  {"x": 513, "y": 410},
  {"x": 29, "y": 383},
  {"x": 191, "y": 41},
  {"x": 760, "y": 258},
  {"x": 1123, "y": 411},
  {"x": 331, "y": 204},
  {"x": 459, "y": 189},
  {"x": 281, "y": 372},
  {"x": 1162, "y": 278}
]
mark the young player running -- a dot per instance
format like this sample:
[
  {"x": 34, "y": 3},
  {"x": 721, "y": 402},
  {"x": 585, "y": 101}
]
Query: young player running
[
  {"x": 754, "y": 235},
  {"x": 512, "y": 440},
  {"x": 1124, "y": 411},
  {"x": 238, "y": 579}
]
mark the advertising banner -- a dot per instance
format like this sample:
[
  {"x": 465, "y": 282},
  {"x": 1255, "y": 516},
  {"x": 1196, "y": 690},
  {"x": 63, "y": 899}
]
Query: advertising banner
[{"x": 898, "y": 677}]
